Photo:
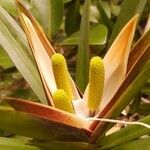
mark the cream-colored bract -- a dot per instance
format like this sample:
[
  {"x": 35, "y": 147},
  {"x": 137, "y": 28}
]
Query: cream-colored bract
[
  {"x": 42, "y": 51},
  {"x": 116, "y": 59},
  {"x": 115, "y": 64}
]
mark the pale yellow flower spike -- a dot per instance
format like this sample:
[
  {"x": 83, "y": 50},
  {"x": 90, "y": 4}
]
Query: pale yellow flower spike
[
  {"x": 61, "y": 74},
  {"x": 96, "y": 83},
  {"x": 62, "y": 101}
]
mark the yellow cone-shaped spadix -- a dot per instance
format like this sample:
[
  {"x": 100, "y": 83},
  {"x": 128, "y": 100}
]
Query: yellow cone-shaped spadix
[
  {"x": 62, "y": 101},
  {"x": 61, "y": 74},
  {"x": 96, "y": 83}
]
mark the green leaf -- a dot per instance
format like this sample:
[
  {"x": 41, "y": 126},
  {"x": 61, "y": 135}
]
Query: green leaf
[
  {"x": 38, "y": 127},
  {"x": 146, "y": 90},
  {"x": 126, "y": 134},
  {"x": 12, "y": 144},
  {"x": 66, "y": 1},
  {"x": 50, "y": 14},
  {"x": 8, "y": 71},
  {"x": 82, "y": 66},
  {"x": 4, "y": 59},
  {"x": 128, "y": 10},
  {"x": 25, "y": 94},
  {"x": 19, "y": 54},
  {"x": 144, "y": 109},
  {"x": 15, "y": 30},
  {"x": 58, "y": 145},
  {"x": 115, "y": 9},
  {"x": 140, "y": 144},
  {"x": 72, "y": 22},
  {"x": 97, "y": 36},
  {"x": 104, "y": 17},
  {"x": 9, "y": 5}
]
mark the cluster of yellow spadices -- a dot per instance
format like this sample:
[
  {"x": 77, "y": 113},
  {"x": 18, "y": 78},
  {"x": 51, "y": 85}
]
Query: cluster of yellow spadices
[
  {"x": 62, "y": 98},
  {"x": 68, "y": 109}
]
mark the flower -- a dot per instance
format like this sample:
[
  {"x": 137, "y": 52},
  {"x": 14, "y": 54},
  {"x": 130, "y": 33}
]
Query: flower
[{"x": 110, "y": 72}]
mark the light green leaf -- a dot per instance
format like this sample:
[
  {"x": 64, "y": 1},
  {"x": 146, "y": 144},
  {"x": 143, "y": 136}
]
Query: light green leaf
[
  {"x": 4, "y": 59},
  {"x": 140, "y": 144},
  {"x": 50, "y": 14},
  {"x": 15, "y": 30},
  {"x": 9, "y": 5},
  {"x": 82, "y": 66},
  {"x": 115, "y": 9},
  {"x": 128, "y": 10},
  {"x": 20, "y": 56},
  {"x": 124, "y": 135},
  {"x": 106, "y": 8},
  {"x": 97, "y": 36},
  {"x": 12, "y": 144}
]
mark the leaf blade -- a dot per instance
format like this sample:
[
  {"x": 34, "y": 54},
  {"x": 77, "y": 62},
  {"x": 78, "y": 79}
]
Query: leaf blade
[
  {"x": 83, "y": 49},
  {"x": 94, "y": 38},
  {"x": 128, "y": 10},
  {"x": 126, "y": 134},
  {"x": 21, "y": 60},
  {"x": 12, "y": 144},
  {"x": 50, "y": 15},
  {"x": 137, "y": 144}
]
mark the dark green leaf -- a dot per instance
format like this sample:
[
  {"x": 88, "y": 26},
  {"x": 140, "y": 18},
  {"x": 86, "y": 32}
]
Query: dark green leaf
[
  {"x": 128, "y": 10},
  {"x": 50, "y": 14},
  {"x": 144, "y": 109},
  {"x": 13, "y": 144},
  {"x": 104, "y": 18},
  {"x": 72, "y": 22}
]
